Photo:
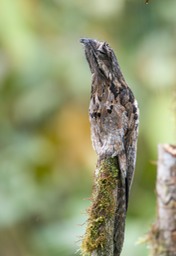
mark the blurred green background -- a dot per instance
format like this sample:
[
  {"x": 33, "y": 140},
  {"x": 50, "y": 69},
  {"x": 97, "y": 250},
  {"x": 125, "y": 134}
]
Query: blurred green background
[{"x": 46, "y": 157}]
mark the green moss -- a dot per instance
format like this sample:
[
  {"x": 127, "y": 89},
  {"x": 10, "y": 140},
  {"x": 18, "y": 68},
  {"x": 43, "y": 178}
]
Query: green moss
[{"x": 102, "y": 208}]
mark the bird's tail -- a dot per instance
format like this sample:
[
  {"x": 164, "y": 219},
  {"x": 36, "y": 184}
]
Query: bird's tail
[{"x": 120, "y": 216}]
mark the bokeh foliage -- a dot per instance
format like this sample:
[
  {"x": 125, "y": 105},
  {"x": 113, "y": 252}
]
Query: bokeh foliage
[{"x": 46, "y": 158}]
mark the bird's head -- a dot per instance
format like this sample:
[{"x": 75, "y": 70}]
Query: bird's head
[{"x": 101, "y": 57}]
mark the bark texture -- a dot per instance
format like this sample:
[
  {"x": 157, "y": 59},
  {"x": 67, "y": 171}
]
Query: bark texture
[
  {"x": 98, "y": 239},
  {"x": 163, "y": 233}
]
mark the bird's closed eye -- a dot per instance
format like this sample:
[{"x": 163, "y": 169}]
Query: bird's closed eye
[{"x": 101, "y": 52}]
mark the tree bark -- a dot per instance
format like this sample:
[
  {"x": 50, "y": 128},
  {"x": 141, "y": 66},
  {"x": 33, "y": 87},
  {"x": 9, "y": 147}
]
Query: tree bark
[
  {"x": 99, "y": 236},
  {"x": 162, "y": 237}
]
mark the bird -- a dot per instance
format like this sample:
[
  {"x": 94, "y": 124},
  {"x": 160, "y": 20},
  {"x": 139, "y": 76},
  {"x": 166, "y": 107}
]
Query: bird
[{"x": 114, "y": 121}]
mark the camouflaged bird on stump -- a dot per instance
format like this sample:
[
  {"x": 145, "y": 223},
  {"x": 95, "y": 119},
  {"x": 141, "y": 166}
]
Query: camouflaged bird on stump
[{"x": 114, "y": 119}]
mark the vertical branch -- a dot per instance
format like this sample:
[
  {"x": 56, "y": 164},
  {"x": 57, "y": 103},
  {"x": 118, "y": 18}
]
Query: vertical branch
[
  {"x": 98, "y": 239},
  {"x": 163, "y": 234}
]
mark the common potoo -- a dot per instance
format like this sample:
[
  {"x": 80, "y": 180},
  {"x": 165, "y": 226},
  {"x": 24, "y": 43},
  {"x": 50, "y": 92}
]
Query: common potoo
[{"x": 114, "y": 119}]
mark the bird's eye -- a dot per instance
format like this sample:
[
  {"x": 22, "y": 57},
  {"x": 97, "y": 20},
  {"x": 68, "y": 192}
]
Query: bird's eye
[{"x": 101, "y": 52}]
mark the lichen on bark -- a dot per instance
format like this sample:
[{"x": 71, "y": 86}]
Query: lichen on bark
[
  {"x": 162, "y": 236},
  {"x": 100, "y": 224}
]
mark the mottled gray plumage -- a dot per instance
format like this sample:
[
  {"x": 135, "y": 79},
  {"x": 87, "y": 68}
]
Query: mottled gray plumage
[{"x": 114, "y": 119}]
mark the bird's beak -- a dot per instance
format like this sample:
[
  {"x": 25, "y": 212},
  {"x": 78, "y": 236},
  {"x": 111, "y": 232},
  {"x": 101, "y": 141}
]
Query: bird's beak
[{"x": 85, "y": 41}]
